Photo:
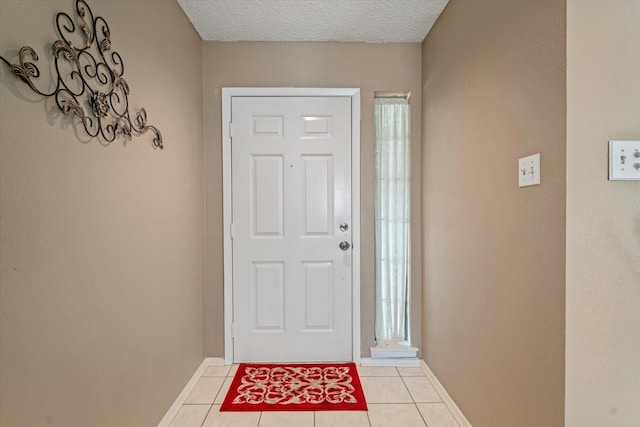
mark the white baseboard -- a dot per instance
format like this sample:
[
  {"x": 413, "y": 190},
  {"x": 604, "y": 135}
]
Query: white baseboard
[
  {"x": 173, "y": 410},
  {"x": 391, "y": 361},
  {"x": 446, "y": 399}
]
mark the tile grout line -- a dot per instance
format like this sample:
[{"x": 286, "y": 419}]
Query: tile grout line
[
  {"x": 442, "y": 400},
  {"x": 215, "y": 397},
  {"x": 446, "y": 400},
  {"x": 413, "y": 399},
  {"x": 206, "y": 415},
  {"x": 179, "y": 402},
  {"x": 365, "y": 397},
  {"x": 368, "y": 418}
]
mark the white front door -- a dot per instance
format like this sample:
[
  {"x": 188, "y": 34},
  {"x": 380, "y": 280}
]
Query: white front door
[{"x": 291, "y": 196}]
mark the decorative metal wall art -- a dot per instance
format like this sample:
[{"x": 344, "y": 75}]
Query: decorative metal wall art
[{"x": 88, "y": 80}]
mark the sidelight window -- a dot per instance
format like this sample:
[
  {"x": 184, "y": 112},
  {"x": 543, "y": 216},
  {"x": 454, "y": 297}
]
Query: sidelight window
[{"x": 392, "y": 214}]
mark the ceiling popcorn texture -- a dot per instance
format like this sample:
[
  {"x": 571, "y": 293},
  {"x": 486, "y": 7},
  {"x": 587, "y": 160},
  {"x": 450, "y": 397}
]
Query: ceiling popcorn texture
[{"x": 374, "y": 21}]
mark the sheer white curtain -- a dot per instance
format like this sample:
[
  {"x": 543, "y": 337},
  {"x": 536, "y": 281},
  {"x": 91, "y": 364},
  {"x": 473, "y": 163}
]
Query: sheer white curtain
[{"x": 391, "y": 219}]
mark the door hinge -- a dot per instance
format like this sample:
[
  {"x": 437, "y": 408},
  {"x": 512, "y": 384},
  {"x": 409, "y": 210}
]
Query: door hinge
[
  {"x": 233, "y": 330},
  {"x": 230, "y": 130},
  {"x": 231, "y": 231}
]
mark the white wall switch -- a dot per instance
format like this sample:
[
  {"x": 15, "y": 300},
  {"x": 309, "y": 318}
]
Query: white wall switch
[
  {"x": 624, "y": 160},
  {"x": 529, "y": 171}
]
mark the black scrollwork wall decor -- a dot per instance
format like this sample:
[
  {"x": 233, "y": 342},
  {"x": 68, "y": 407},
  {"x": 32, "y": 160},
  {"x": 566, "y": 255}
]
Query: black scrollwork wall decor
[{"x": 88, "y": 80}]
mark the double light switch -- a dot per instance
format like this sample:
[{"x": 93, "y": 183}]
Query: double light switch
[
  {"x": 529, "y": 171},
  {"x": 624, "y": 160}
]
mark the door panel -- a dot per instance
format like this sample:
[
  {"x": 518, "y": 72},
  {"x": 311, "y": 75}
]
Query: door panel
[
  {"x": 268, "y": 287},
  {"x": 267, "y": 198},
  {"x": 291, "y": 189},
  {"x": 319, "y": 296},
  {"x": 317, "y": 195}
]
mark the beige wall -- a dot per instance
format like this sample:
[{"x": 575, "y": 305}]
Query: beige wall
[
  {"x": 494, "y": 254},
  {"x": 101, "y": 261},
  {"x": 603, "y": 217},
  {"x": 101, "y": 248},
  {"x": 370, "y": 67}
]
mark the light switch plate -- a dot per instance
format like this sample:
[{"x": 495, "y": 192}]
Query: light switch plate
[
  {"x": 529, "y": 171},
  {"x": 624, "y": 160}
]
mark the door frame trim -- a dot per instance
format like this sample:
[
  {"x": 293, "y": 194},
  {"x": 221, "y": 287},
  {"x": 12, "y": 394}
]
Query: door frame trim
[{"x": 227, "y": 94}]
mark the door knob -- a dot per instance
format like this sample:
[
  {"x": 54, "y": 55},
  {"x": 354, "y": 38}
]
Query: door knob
[
  {"x": 344, "y": 227},
  {"x": 344, "y": 245}
]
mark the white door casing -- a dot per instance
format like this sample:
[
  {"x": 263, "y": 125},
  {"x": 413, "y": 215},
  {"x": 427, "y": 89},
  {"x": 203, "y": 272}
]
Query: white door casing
[{"x": 291, "y": 294}]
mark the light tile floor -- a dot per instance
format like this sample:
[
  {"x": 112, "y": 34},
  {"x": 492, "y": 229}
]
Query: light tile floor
[{"x": 396, "y": 397}]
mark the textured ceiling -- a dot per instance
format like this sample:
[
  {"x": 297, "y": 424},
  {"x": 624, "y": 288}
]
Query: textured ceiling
[{"x": 375, "y": 21}]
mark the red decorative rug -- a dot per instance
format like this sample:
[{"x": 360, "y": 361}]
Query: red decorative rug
[{"x": 295, "y": 387}]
